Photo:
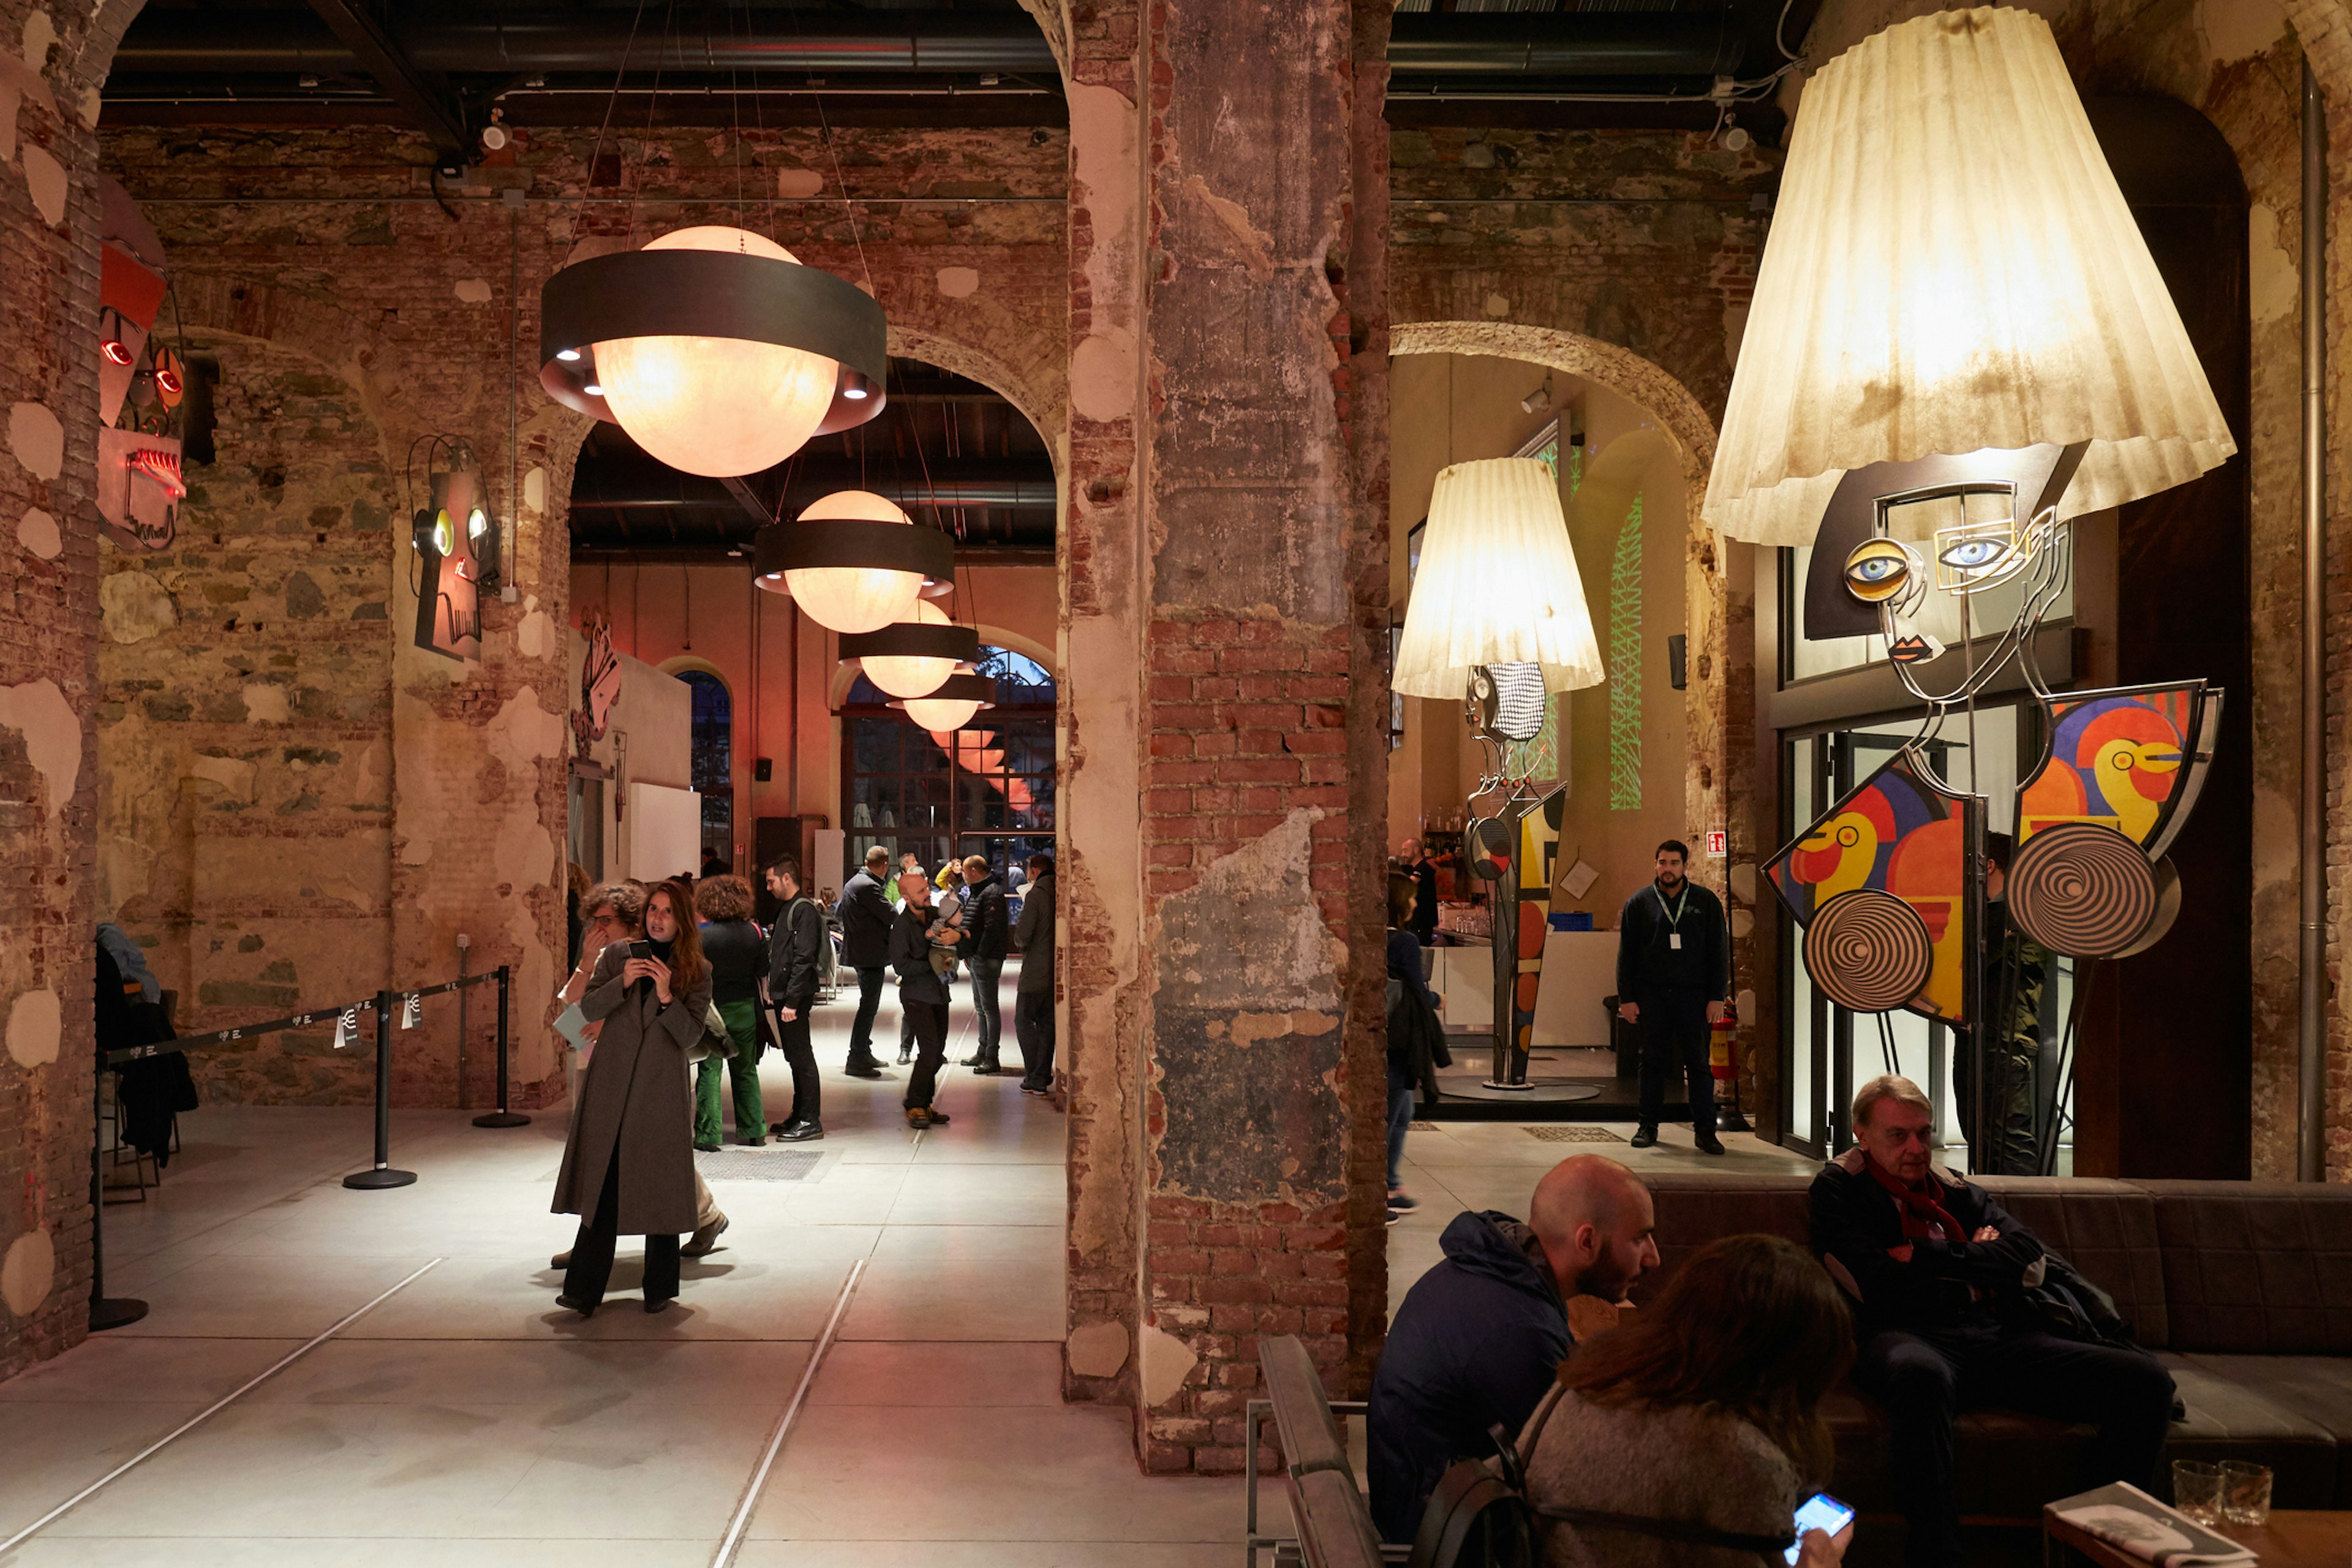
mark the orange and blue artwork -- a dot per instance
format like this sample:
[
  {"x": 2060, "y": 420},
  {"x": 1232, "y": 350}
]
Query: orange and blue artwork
[
  {"x": 2124, "y": 760},
  {"x": 1898, "y": 835},
  {"x": 1539, "y": 852}
]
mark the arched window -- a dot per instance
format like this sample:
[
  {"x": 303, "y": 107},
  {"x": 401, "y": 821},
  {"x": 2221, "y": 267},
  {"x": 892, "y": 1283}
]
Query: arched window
[
  {"x": 712, "y": 743},
  {"x": 986, "y": 789}
]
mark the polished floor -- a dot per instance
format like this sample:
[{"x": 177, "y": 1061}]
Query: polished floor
[{"x": 463, "y": 1419}]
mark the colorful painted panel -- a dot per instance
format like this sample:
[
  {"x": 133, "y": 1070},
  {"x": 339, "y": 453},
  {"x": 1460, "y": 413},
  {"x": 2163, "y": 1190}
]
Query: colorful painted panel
[
  {"x": 1538, "y": 850},
  {"x": 1899, "y": 835},
  {"x": 2121, "y": 759}
]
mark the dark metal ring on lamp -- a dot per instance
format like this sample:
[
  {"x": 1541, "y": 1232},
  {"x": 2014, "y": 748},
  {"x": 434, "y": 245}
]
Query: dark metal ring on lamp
[
  {"x": 710, "y": 294},
  {"x": 911, "y": 640},
  {"x": 815, "y": 541},
  {"x": 977, "y": 690}
]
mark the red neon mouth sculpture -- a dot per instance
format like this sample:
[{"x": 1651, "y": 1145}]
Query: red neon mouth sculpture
[{"x": 163, "y": 467}]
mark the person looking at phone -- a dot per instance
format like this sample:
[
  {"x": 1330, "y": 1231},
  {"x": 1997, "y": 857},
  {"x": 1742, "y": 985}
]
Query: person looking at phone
[
  {"x": 1935, "y": 1267},
  {"x": 922, "y": 991},
  {"x": 1693, "y": 1435},
  {"x": 626, "y": 1170}
]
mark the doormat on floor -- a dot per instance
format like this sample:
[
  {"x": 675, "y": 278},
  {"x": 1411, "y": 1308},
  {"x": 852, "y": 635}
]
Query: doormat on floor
[
  {"x": 741, "y": 1163},
  {"x": 1420, "y": 1126},
  {"x": 1573, "y": 1133}
]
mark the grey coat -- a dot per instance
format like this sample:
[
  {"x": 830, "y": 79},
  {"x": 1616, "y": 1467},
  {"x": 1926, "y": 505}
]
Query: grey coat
[
  {"x": 1689, "y": 1464},
  {"x": 633, "y": 1105},
  {"x": 1034, "y": 937}
]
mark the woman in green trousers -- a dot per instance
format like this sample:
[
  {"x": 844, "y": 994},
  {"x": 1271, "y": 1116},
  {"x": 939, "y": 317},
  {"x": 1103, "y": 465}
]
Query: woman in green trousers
[{"x": 738, "y": 951}]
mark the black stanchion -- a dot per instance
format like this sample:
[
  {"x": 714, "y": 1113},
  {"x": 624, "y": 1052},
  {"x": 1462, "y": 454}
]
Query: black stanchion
[
  {"x": 383, "y": 1175},
  {"x": 502, "y": 1117},
  {"x": 105, "y": 1312}
]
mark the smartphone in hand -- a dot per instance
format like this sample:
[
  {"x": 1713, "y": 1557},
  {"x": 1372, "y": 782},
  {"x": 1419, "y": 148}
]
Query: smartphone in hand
[{"x": 1819, "y": 1512}]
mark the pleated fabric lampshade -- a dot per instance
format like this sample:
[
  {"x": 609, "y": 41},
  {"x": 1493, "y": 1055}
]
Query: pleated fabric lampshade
[
  {"x": 1498, "y": 585},
  {"x": 1952, "y": 267}
]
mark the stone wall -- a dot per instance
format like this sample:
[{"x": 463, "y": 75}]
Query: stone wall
[{"x": 406, "y": 798}]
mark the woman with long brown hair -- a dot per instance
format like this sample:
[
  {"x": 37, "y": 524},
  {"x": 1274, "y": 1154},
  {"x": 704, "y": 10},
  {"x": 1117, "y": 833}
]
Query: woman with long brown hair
[
  {"x": 1690, "y": 1435},
  {"x": 626, "y": 1172}
]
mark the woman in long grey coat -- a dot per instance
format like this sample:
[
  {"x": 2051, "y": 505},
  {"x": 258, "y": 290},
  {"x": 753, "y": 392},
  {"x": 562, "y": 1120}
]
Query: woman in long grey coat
[{"x": 629, "y": 1169}]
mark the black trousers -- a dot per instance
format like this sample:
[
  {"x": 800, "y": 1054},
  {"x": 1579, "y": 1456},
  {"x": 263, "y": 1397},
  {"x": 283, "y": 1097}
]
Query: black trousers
[
  {"x": 861, "y": 1028},
  {"x": 985, "y": 974},
  {"x": 1033, "y": 1025},
  {"x": 1926, "y": 1379},
  {"x": 808, "y": 1089},
  {"x": 1674, "y": 1041},
  {"x": 930, "y": 1022},
  {"x": 592, "y": 1250}
]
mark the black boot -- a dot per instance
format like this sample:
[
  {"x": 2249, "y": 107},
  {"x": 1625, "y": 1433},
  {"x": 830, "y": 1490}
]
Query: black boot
[{"x": 800, "y": 1132}]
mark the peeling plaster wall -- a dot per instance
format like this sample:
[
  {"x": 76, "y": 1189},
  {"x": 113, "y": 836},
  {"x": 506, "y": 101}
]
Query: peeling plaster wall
[
  {"x": 245, "y": 731},
  {"x": 49, "y": 68},
  {"x": 325, "y": 250}
]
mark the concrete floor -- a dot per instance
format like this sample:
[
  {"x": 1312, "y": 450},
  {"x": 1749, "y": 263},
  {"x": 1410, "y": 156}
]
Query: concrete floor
[{"x": 465, "y": 1419}]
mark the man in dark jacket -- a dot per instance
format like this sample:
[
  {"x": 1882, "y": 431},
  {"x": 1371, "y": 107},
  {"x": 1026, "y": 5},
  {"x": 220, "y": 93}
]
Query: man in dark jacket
[
  {"x": 1479, "y": 1337},
  {"x": 1032, "y": 999},
  {"x": 866, "y": 914},
  {"x": 1674, "y": 975},
  {"x": 922, "y": 992},
  {"x": 791, "y": 991},
  {"x": 1939, "y": 1274},
  {"x": 986, "y": 918},
  {"x": 1416, "y": 864}
]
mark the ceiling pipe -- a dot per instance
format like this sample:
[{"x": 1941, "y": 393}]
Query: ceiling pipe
[
  {"x": 1491, "y": 47},
  {"x": 970, "y": 481}
]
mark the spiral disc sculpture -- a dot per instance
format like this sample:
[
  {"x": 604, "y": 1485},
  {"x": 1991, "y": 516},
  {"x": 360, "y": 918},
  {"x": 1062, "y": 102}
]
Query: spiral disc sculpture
[
  {"x": 1868, "y": 951},
  {"x": 2082, "y": 890}
]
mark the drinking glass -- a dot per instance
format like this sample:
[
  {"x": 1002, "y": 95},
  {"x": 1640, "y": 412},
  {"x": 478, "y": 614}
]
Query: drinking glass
[
  {"x": 2197, "y": 1489},
  {"x": 2245, "y": 1493}
]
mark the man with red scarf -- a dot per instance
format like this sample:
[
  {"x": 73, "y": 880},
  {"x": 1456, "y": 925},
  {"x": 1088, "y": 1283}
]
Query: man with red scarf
[{"x": 1953, "y": 1307}]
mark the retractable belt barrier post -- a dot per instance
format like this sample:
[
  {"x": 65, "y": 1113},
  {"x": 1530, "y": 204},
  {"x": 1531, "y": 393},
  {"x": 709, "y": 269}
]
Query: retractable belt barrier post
[
  {"x": 382, "y": 1175},
  {"x": 502, "y": 1117}
]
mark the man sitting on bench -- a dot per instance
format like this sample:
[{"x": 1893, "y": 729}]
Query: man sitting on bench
[{"x": 1941, "y": 1277}]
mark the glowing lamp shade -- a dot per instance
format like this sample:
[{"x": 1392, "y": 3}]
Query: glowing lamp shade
[
  {"x": 909, "y": 674},
  {"x": 941, "y": 713},
  {"x": 952, "y": 706},
  {"x": 716, "y": 406},
  {"x": 1952, "y": 267},
  {"x": 854, "y": 598},
  {"x": 1498, "y": 585}
]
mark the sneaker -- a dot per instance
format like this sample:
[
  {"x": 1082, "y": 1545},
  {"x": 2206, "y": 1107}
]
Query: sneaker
[
  {"x": 1645, "y": 1137},
  {"x": 905, "y": 1056},
  {"x": 705, "y": 1239},
  {"x": 705, "y": 1148},
  {"x": 985, "y": 1069},
  {"x": 1033, "y": 1089},
  {"x": 869, "y": 1068},
  {"x": 1395, "y": 1215},
  {"x": 1708, "y": 1144},
  {"x": 801, "y": 1132},
  {"x": 1401, "y": 1199}
]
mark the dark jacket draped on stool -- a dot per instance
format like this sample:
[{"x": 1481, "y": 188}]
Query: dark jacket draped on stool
[{"x": 634, "y": 1104}]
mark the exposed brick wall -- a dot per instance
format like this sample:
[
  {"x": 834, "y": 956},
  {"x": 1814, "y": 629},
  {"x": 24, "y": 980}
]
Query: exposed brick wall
[
  {"x": 354, "y": 314},
  {"x": 48, "y": 682}
]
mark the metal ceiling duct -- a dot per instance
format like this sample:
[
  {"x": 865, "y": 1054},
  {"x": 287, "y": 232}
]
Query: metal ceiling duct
[{"x": 1486, "y": 45}]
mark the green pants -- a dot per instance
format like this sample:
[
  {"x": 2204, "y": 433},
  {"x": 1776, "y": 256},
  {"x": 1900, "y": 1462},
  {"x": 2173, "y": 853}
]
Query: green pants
[{"x": 742, "y": 1020}]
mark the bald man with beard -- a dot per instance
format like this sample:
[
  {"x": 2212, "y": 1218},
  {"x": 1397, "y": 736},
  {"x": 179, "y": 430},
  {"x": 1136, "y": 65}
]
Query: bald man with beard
[{"x": 1479, "y": 1337}]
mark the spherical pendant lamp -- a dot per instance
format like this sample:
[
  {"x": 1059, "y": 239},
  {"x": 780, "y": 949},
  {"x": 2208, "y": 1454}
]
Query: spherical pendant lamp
[
  {"x": 715, "y": 350},
  {"x": 853, "y": 561},
  {"x": 951, "y": 707},
  {"x": 913, "y": 657}
]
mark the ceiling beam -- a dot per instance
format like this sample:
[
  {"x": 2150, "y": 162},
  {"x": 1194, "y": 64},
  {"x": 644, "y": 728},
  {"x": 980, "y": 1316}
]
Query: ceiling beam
[
  {"x": 428, "y": 104},
  {"x": 748, "y": 499}
]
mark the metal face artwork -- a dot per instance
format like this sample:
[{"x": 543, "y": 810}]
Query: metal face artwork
[
  {"x": 1879, "y": 883},
  {"x": 600, "y": 684},
  {"x": 1507, "y": 702},
  {"x": 448, "y": 582}
]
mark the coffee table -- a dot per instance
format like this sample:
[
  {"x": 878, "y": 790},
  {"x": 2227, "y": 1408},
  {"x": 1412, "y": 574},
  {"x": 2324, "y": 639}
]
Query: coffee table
[{"x": 2295, "y": 1538}]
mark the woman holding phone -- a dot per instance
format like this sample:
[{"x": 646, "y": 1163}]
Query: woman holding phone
[
  {"x": 1692, "y": 1437},
  {"x": 627, "y": 1171}
]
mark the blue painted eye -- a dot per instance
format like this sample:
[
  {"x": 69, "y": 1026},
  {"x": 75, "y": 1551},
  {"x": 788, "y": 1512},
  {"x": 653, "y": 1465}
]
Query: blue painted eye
[
  {"x": 1973, "y": 554},
  {"x": 1876, "y": 570}
]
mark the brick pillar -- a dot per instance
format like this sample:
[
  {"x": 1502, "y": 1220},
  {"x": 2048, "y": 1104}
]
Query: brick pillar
[
  {"x": 48, "y": 674},
  {"x": 1227, "y": 588}
]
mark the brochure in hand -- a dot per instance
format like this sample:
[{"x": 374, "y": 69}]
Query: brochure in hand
[{"x": 2130, "y": 1521}]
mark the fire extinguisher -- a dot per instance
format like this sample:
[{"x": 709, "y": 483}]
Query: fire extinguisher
[{"x": 1723, "y": 1065}]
